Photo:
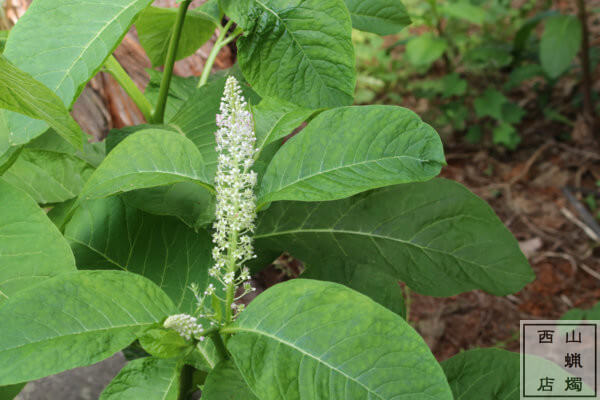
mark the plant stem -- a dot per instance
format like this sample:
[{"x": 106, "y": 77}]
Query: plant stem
[
  {"x": 220, "y": 346},
  {"x": 219, "y": 44},
  {"x": 186, "y": 382},
  {"x": 441, "y": 33},
  {"x": 588, "y": 105},
  {"x": 113, "y": 67},
  {"x": 163, "y": 94}
]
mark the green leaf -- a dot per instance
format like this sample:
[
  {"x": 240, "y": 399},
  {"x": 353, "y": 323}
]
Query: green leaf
[
  {"x": 48, "y": 176},
  {"x": 65, "y": 46},
  {"x": 86, "y": 317},
  {"x": 436, "y": 236},
  {"x": 11, "y": 391},
  {"x": 488, "y": 55},
  {"x": 524, "y": 32},
  {"x": 3, "y": 39},
  {"x": 490, "y": 104},
  {"x": 145, "y": 378},
  {"x": 382, "y": 145},
  {"x": 465, "y": 10},
  {"x": 21, "y": 93},
  {"x": 583, "y": 314},
  {"x": 155, "y": 28},
  {"x": 378, "y": 284},
  {"x": 212, "y": 9},
  {"x": 423, "y": 50},
  {"x": 512, "y": 113},
  {"x": 330, "y": 343},
  {"x": 106, "y": 233},
  {"x": 31, "y": 247},
  {"x": 147, "y": 158},
  {"x": 274, "y": 119},
  {"x": 521, "y": 74},
  {"x": 506, "y": 135},
  {"x": 383, "y": 17},
  {"x": 191, "y": 203},
  {"x": 297, "y": 50},
  {"x": 483, "y": 374},
  {"x": 165, "y": 343},
  {"x": 559, "y": 44},
  {"x": 116, "y": 136},
  {"x": 225, "y": 382}
]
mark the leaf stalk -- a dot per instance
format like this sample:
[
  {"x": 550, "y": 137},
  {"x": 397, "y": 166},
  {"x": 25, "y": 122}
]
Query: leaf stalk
[
  {"x": 163, "y": 94},
  {"x": 221, "y": 42},
  {"x": 113, "y": 67}
]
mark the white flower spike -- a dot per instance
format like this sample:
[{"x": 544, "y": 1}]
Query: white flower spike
[{"x": 234, "y": 184}]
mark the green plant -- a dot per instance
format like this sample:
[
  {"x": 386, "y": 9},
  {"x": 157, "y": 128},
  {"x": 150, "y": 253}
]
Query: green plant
[
  {"x": 125, "y": 253},
  {"x": 485, "y": 50}
]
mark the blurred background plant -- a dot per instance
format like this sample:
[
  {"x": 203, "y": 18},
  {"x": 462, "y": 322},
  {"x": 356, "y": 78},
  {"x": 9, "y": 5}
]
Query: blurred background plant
[{"x": 476, "y": 69}]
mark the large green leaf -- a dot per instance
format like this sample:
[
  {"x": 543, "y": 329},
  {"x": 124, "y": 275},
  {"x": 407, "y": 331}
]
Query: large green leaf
[
  {"x": 21, "y": 93},
  {"x": 225, "y": 382},
  {"x": 31, "y": 247},
  {"x": 106, "y": 233},
  {"x": 306, "y": 339},
  {"x": 352, "y": 149},
  {"x": 377, "y": 283},
  {"x": 436, "y": 236},
  {"x": 155, "y": 28},
  {"x": 297, "y": 50},
  {"x": 383, "y": 17},
  {"x": 191, "y": 203},
  {"x": 147, "y": 158},
  {"x": 559, "y": 44},
  {"x": 48, "y": 176},
  {"x": 75, "y": 319},
  {"x": 483, "y": 374},
  {"x": 274, "y": 119},
  {"x": 145, "y": 378},
  {"x": 64, "y": 45}
]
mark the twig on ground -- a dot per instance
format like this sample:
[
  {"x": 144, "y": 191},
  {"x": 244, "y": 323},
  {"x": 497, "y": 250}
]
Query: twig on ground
[
  {"x": 590, "y": 271},
  {"x": 530, "y": 162},
  {"x": 590, "y": 227},
  {"x": 564, "y": 256}
]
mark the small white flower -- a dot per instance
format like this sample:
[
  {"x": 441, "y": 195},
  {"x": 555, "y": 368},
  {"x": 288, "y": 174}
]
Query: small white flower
[{"x": 210, "y": 289}]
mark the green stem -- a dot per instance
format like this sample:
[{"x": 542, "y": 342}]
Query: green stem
[
  {"x": 113, "y": 67},
  {"x": 163, "y": 94},
  {"x": 219, "y": 44},
  {"x": 186, "y": 382},
  {"x": 220, "y": 346}
]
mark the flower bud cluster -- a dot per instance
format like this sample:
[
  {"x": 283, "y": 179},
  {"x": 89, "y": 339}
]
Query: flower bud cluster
[{"x": 186, "y": 325}]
